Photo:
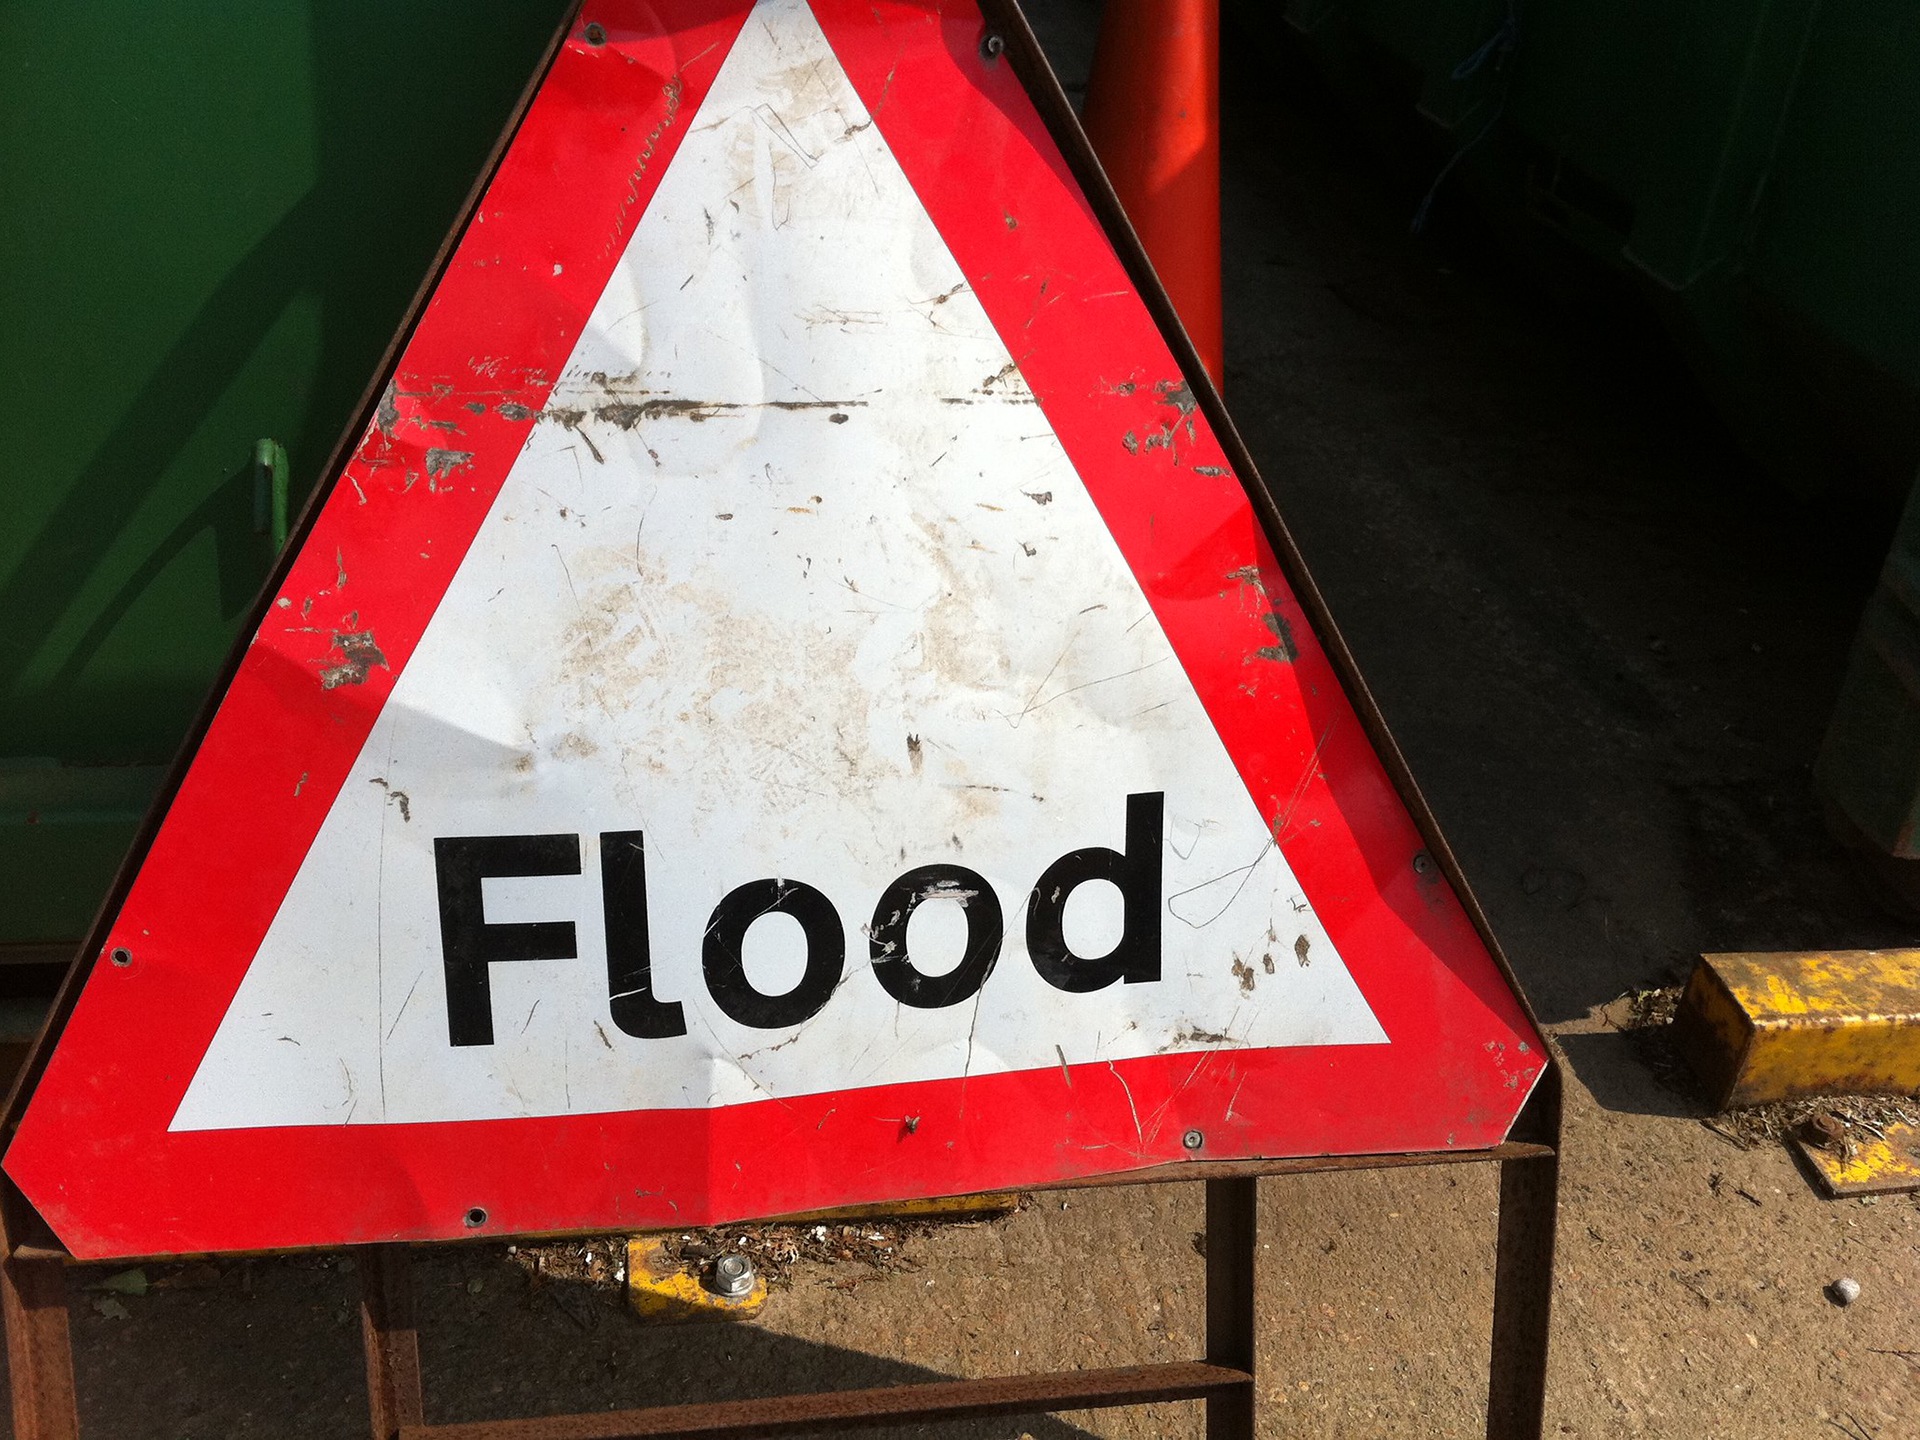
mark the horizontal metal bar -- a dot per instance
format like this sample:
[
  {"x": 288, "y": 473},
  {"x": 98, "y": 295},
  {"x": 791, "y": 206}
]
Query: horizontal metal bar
[
  {"x": 892, "y": 1404},
  {"x": 1302, "y": 1165}
]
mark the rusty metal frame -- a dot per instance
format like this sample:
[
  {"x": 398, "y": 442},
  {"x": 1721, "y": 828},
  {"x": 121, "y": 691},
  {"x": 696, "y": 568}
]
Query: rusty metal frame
[
  {"x": 33, "y": 1295},
  {"x": 33, "y": 1264}
]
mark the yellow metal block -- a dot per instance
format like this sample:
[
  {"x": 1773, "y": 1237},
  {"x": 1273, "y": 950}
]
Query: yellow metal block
[
  {"x": 664, "y": 1291},
  {"x": 1764, "y": 1027},
  {"x": 1876, "y": 1167}
]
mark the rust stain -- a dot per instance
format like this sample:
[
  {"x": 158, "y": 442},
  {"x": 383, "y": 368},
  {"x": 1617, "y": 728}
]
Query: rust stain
[
  {"x": 1300, "y": 949},
  {"x": 1243, "y": 972},
  {"x": 359, "y": 654}
]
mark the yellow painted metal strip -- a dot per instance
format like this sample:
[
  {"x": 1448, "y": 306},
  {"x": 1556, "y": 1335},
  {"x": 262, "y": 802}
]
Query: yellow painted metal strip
[
  {"x": 663, "y": 1291},
  {"x": 1764, "y": 1027},
  {"x": 1878, "y": 1166}
]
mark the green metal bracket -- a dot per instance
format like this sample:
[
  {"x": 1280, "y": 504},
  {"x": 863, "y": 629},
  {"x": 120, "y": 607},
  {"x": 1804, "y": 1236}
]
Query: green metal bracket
[{"x": 270, "y": 491}]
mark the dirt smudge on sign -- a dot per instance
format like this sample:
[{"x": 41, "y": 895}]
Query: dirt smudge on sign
[
  {"x": 1283, "y": 650},
  {"x": 359, "y": 655},
  {"x": 443, "y": 462}
]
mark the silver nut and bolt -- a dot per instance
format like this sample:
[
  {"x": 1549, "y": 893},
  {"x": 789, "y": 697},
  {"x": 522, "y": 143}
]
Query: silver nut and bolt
[
  {"x": 992, "y": 47},
  {"x": 596, "y": 34},
  {"x": 1193, "y": 1139},
  {"x": 732, "y": 1276}
]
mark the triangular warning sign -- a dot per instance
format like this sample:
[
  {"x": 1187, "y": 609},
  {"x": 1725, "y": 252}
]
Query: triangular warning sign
[{"x": 787, "y": 705}]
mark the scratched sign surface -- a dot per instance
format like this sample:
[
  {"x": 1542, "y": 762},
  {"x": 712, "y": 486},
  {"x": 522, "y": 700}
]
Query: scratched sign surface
[{"x": 788, "y": 705}]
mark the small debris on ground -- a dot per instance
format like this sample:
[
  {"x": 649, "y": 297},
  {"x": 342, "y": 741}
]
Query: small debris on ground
[
  {"x": 579, "y": 1278},
  {"x": 883, "y": 1247},
  {"x": 1837, "y": 1123},
  {"x": 1844, "y": 1291},
  {"x": 876, "y": 1247},
  {"x": 596, "y": 1262},
  {"x": 1651, "y": 1008},
  {"x": 126, "y": 1282},
  {"x": 1646, "y": 1016},
  {"x": 190, "y": 1277},
  {"x": 1841, "y": 1123}
]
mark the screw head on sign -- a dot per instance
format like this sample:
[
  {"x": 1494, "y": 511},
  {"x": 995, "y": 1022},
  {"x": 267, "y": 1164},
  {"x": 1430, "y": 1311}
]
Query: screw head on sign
[
  {"x": 476, "y": 1217},
  {"x": 596, "y": 33},
  {"x": 1193, "y": 1139},
  {"x": 733, "y": 1276},
  {"x": 121, "y": 956},
  {"x": 993, "y": 46},
  {"x": 1422, "y": 863}
]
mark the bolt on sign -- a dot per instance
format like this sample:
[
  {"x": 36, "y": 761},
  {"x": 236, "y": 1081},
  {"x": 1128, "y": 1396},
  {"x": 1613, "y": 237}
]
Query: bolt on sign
[{"x": 789, "y": 703}]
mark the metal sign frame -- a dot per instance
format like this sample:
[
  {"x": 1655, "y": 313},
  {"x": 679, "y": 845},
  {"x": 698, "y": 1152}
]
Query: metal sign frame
[
  {"x": 33, "y": 1287},
  {"x": 33, "y": 1299}
]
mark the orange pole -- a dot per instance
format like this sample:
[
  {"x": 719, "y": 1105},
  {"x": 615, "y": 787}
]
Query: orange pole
[{"x": 1153, "y": 114}]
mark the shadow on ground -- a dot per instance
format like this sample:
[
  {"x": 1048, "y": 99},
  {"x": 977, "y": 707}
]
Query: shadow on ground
[
  {"x": 272, "y": 1347},
  {"x": 1606, "y": 641}
]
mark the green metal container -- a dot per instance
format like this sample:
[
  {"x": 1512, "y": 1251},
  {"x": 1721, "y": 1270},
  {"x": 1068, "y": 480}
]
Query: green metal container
[
  {"x": 1751, "y": 163},
  {"x": 212, "y": 220}
]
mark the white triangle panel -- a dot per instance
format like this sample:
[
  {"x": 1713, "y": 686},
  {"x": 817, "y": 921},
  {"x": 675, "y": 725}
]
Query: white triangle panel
[{"x": 794, "y": 578}]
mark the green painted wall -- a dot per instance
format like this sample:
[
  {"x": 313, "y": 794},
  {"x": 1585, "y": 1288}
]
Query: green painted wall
[{"x": 211, "y": 220}]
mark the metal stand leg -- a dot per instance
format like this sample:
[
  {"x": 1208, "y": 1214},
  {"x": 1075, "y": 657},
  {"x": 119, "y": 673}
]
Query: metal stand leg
[
  {"x": 1232, "y": 1247},
  {"x": 1523, "y": 1274},
  {"x": 393, "y": 1346},
  {"x": 33, "y": 1302},
  {"x": 33, "y": 1295}
]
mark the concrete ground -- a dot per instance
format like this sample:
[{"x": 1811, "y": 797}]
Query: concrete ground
[{"x": 1608, "y": 648}]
